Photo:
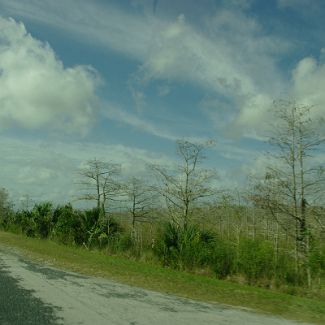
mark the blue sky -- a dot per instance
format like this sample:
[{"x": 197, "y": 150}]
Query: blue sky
[{"x": 122, "y": 80}]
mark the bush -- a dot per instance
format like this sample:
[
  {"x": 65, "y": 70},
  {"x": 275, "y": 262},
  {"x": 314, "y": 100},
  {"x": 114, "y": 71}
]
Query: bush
[
  {"x": 223, "y": 259},
  {"x": 42, "y": 214},
  {"x": 317, "y": 259},
  {"x": 69, "y": 227},
  {"x": 97, "y": 230},
  {"x": 285, "y": 272},
  {"x": 184, "y": 248},
  {"x": 256, "y": 260},
  {"x": 26, "y": 220},
  {"x": 123, "y": 242}
]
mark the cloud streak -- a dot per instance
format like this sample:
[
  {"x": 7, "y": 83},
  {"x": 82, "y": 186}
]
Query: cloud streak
[{"x": 231, "y": 56}]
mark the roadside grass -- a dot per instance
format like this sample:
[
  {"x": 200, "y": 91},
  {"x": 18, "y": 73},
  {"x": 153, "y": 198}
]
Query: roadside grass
[{"x": 154, "y": 277}]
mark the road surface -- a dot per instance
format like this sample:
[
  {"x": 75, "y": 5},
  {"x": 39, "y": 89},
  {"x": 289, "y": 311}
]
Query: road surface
[{"x": 31, "y": 293}]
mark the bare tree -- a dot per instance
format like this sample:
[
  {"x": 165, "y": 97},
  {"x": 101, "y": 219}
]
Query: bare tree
[
  {"x": 99, "y": 183},
  {"x": 187, "y": 184},
  {"x": 294, "y": 182},
  {"x": 141, "y": 199}
]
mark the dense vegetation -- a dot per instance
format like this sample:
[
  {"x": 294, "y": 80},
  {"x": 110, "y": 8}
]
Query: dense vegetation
[
  {"x": 268, "y": 236},
  {"x": 247, "y": 254}
]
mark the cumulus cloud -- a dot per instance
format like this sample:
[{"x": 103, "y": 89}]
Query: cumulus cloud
[
  {"x": 37, "y": 91},
  {"x": 308, "y": 79},
  {"x": 254, "y": 117},
  {"x": 231, "y": 56},
  {"x": 308, "y": 84}
]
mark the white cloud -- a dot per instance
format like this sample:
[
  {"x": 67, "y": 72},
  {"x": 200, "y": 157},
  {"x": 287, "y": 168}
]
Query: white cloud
[
  {"x": 90, "y": 22},
  {"x": 308, "y": 84},
  {"x": 179, "y": 52},
  {"x": 164, "y": 130},
  {"x": 228, "y": 149},
  {"x": 48, "y": 170},
  {"x": 254, "y": 117},
  {"x": 306, "y": 87},
  {"x": 117, "y": 114},
  {"x": 37, "y": 91},
  {"x": 232, "y": 56},
  {"x": 235, "y": 61}
]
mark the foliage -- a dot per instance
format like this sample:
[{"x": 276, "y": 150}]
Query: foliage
[
  {"x": 272, "y": 236},
  {"x": 317, "y": 259},
  {"x": 182, "y": 284},
  {"x": 223, "y": 259},
  {"x": 42, "y": 214},
  {"x": 25, "y": 219},
  {"x": 256, "y": 260},
  {"x": 6, "y": 212},
  {"x": 190, "y": 248},
  {"x": 70, "y": 226},
  {"x": 179, "y": 247}
]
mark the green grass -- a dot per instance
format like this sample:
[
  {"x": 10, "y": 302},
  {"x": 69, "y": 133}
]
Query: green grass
[{"x": 154, "y": 277}]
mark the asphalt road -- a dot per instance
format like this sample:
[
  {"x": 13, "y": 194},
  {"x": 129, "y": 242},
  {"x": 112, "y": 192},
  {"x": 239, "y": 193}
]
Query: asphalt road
[{"x": 36, "y": 294}]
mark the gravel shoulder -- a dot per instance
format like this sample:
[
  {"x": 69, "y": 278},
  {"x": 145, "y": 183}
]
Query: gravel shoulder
[{"x": 37, "y": 294}]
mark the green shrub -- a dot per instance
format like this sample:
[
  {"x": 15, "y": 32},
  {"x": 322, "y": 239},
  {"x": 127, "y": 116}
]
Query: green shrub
[
  {"x": 42, "y": 214},
  {"x": 256, "y": 260},
  {"x": 223, "y": 259},
  {"x": 69, "y": 227},
  {"x": 26, "y": 220},
  {"x": 98, "y": 235},
  {"x": 285, "y": 272},
  {"x": 317, "y": 259},
  {"x": 184, "y": 248}
]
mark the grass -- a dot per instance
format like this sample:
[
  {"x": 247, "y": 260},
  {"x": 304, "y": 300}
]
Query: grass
[{"x": 161, "y": 279}]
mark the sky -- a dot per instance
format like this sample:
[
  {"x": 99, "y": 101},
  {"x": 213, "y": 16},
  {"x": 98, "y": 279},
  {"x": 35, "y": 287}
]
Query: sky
[{"x": 122, "y": 80}]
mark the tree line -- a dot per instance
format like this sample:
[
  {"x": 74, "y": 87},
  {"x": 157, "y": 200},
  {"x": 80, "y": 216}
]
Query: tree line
[{"x": 271, "y": 234}]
